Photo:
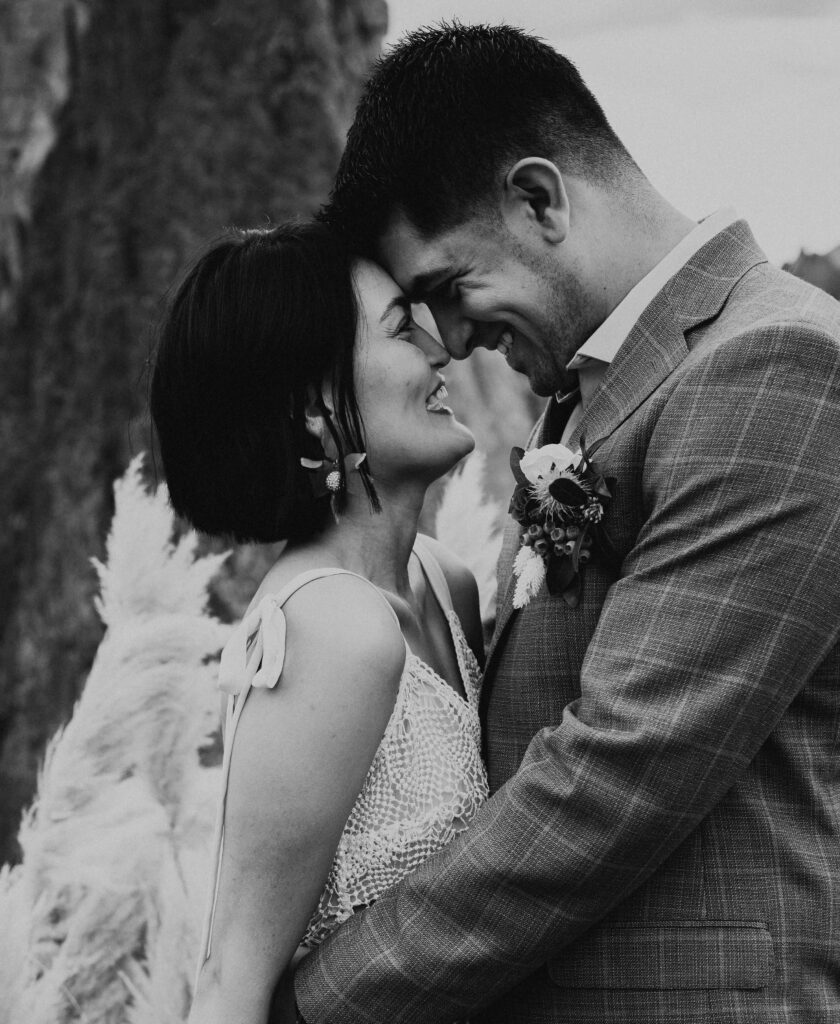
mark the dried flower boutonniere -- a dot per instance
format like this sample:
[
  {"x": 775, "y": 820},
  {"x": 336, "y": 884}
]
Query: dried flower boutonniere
[{"x": 560, "y": 501}]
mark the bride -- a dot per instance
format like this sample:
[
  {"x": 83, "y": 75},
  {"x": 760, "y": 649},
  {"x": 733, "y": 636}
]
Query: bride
[{"x": 295, "y": 399}]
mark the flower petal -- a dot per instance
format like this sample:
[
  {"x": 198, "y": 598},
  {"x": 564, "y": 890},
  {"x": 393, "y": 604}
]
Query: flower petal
[
  {"x": 516, "y": 455},
  {"x": 567, "y": 492},
  {"x": 541, "y": 462}
]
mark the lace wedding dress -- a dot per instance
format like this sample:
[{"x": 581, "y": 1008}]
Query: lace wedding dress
[{"x": 426, "y": 779}]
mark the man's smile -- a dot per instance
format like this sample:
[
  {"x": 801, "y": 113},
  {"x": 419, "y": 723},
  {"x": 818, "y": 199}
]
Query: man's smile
[{"x": 505, "y": 343}]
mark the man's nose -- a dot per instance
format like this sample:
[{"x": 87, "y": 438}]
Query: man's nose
[
  {"x": 455, "y": 331},
  {"x": 436, "y": 353}
]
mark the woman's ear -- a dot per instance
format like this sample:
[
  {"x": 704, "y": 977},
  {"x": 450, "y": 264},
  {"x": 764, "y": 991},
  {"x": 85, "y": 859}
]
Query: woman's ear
[
  {"x": 535, "y": 197},
  {"x": 316, "y": 414}
]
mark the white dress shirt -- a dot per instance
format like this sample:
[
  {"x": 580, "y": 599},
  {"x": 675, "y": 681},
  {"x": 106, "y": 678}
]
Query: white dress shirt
[{"x": 595, "y": 355}]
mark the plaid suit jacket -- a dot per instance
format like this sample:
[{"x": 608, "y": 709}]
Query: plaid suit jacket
[{"x": 663, "y": 839}]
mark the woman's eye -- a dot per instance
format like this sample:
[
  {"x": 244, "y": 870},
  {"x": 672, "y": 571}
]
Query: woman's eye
[{"x": 403, "y": 329}]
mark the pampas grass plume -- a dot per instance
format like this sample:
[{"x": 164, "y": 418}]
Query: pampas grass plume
[
  {"x": 529, "y": 570},
  {"x": 107, "y": 901}
]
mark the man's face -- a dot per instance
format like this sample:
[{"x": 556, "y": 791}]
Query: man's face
[{"x": 487, "y": 287}]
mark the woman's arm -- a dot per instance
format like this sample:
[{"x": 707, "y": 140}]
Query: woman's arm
[{"x": 300, "y": 756}]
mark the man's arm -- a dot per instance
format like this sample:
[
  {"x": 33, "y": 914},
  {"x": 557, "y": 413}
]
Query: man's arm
[{"x": 728, "y": 602}]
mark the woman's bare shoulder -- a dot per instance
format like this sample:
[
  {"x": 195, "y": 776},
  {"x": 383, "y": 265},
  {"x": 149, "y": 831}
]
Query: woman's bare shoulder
[
  {"x": 345, "y": 621},
  {"x": 348, "y": 610}
]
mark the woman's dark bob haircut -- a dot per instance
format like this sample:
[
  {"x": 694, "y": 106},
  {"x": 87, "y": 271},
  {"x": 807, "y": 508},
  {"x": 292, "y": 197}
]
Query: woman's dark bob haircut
[{"x": 261, "y": 320}]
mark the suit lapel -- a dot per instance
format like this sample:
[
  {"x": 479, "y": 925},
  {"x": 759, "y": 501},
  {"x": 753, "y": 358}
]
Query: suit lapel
[
  {"x": 654, "y": 348},
  {"x": 656, "y": 345}
]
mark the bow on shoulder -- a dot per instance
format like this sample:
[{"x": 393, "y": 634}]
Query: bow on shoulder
[{"x": 255, "y": 653}]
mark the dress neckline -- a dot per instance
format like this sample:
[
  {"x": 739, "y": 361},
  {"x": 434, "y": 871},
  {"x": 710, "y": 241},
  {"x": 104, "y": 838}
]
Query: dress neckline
[
  {"x": 466, "y": 683},
  {"x": 436, "y": 581}
]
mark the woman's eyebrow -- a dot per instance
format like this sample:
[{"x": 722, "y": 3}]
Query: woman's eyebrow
[{"x": 398, "y": 302}]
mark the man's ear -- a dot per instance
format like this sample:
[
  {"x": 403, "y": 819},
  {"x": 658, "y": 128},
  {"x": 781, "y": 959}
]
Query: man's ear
[{"x": 534, "y": 191}]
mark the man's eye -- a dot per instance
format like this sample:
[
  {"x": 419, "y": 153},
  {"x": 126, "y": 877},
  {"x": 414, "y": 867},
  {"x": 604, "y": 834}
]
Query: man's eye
[
  {"x": 444, "y": 290},
  {"x": 447, "y": 289}
]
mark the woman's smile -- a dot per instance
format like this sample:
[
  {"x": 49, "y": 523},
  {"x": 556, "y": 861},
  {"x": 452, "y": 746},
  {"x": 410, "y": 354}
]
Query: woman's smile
[
  {"x": 400, "y": 372},
  {"x": 434, "y": 403}
]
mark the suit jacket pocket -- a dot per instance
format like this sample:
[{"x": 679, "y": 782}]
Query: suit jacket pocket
[{"x": 669, "y": 955}]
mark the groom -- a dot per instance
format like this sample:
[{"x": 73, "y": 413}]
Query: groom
[{"x": 663, "y": 839}]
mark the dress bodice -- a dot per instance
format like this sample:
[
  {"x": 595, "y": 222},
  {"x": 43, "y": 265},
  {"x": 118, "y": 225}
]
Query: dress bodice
[{"x": 426, "y": 779}]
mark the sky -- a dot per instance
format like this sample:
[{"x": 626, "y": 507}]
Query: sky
[{"x": 720, "y": 102}]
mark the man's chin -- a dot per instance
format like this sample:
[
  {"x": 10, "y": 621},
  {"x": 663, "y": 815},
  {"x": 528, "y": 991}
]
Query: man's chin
[
  {"x": 547, "y": 387},
  {"x": 542, "y": 389},
  {"x": 546, "y": 380}
]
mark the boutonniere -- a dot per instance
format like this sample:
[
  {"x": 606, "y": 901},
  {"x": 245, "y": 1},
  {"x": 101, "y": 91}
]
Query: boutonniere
[{"x": 560, "y": 500}]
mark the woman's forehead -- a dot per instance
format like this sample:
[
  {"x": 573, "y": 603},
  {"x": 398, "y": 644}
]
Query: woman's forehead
[{"x": 376, "y": 289}]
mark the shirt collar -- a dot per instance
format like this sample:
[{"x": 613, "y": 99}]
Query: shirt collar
[{"x": 604, "y": 343}]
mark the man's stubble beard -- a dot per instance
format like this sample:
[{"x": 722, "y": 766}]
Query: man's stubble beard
[{"x": 567, "y": 325}]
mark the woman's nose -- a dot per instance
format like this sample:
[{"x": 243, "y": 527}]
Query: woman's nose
[{"x": 435, "y": 352}]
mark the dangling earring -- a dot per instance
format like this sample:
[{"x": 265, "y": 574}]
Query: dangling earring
[
  {"x": 333, "y": 479},
  {"x": 325, "y": 476},
  {"x": 328, "y": 477}
]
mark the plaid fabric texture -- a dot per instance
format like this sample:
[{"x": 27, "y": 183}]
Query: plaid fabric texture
[{"x": 663, "y": 840}]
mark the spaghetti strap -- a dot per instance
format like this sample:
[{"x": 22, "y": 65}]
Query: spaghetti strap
[
  {"x": 434, "y": 574},
  {"x": 253, "y": 658}
]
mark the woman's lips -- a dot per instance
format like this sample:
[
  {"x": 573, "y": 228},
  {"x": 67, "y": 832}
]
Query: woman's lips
[{"x": 434, "y": 403}]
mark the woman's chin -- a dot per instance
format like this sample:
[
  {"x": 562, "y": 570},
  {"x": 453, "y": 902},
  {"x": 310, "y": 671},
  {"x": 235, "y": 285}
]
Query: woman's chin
[
  {"x": 458, "y": 451},
  {"x": 469, "y": 442},
  {"x": 410, "y": 465}
]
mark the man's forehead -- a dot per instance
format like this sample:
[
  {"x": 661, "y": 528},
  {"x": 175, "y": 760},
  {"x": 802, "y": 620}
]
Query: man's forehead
[{"x": 417, "y": 262}]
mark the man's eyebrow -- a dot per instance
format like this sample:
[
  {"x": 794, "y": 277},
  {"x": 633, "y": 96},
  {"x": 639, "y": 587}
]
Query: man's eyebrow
[
  {"x": 426, "y": 282},
  {"x": 398, "y": 302}
]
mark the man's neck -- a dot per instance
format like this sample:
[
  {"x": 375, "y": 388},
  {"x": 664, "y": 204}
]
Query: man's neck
[{"x": 628, "y": 232}]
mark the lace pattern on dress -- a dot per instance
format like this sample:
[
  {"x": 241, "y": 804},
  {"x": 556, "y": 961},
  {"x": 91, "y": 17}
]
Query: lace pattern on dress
[{"x": 425, "y": 783}]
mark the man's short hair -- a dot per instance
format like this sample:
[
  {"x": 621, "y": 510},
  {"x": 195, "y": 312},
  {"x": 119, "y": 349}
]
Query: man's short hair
[{"x": 445, "y": 111}]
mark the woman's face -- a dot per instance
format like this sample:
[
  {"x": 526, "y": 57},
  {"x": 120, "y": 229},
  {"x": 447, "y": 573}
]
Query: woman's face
[{"x": 411, "y": 433}]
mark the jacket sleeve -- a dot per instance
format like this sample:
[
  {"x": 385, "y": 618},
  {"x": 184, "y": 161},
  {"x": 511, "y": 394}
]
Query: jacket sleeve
[{"x": 727, "y": 603}]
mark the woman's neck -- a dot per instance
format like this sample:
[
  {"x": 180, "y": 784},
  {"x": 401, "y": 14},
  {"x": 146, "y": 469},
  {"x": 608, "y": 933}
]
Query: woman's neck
[{"x": 376, "y": 545}]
